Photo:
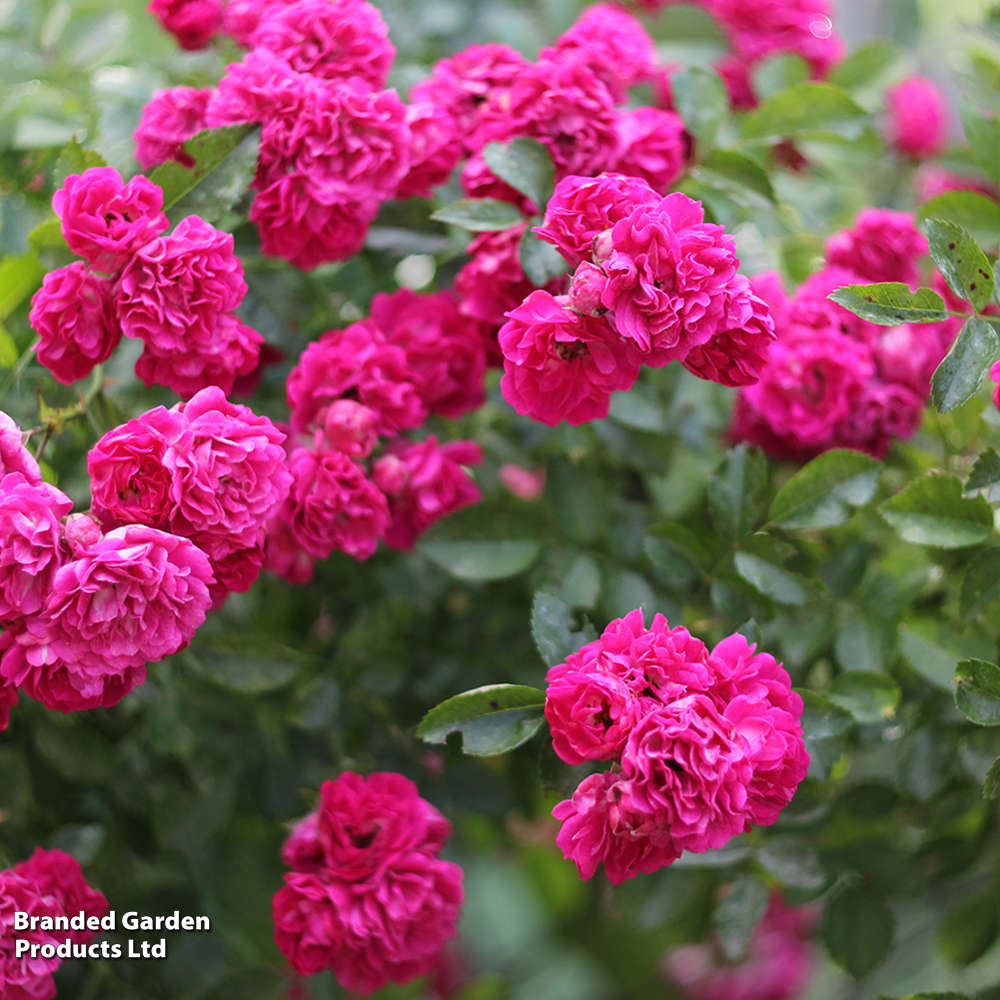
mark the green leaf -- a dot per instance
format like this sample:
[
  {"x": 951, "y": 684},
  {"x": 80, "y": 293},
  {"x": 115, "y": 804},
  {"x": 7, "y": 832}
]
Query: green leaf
[
  {"x": 822, "y": 719},
  {"x": 724, "y": 169},
  {"x": 821, "y": 494},
  {"x": 525, "y": 164},
  {"x": 480, "y": 215},
  {"x": 209, "y": 149},
  {"x": 931, "y": 996},
  {"x": 985, "y": 473},
  {"x": 869, "y": 697},
  {"x": 864, "y": 65},
  {"x": 550, "y": 620},
  {"x": 857, "y": 930},
  {"x": 983, "y": 135},
  {"x": 20, "y": 275},
  {"x": 974, "y": 212},
  {"x": 482, "y": 560},
  {"x": 540, "y": 261},
  {"x": 981, "y": 582},
  {"x": 933, "y": 662},
  {"x": 48, "y": 236},
  {"x": 736, "y": 491},
  {"x": 221, "y": 187},
  {"x": 932, "y": 511},
  {"x": 74, "y": 159},
  {"x": 960, "y": 374},
  {"x": 889, "y": 303},
  {"x": 679, "y": 538},
  {"x": 977, "y": 694},
  {"x": 991, "y": 786},
  {"x": 968, "y": 929},
  {"x": 777, "y": 73},
  {"x": 8, "y": 350},
  {"x": 737, "y": 915},
  {"x": 792, "y": 862},
  {"x": 965, "y": 267},
  {"x": 702, "y": 101},
  {"x": 807, "y": 109},
  {"x": 771, "y": 580},
  {"x": 250, "y": 664},
  {"x": 491, "y": 719}
]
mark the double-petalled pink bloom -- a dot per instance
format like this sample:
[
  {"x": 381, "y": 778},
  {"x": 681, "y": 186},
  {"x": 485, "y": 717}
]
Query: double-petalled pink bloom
[
  {"x": 706, "y": 743},
  {"x": 368, "y": 897}
]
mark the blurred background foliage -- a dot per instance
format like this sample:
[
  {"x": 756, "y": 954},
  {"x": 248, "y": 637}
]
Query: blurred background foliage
[{"x": 179, "y": 797}]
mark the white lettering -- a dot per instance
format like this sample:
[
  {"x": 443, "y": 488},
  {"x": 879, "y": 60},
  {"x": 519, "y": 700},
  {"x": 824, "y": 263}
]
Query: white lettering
[
  {"x": 21, "y": 946},
  {"x": 146, "y": 924},
  {"x": 116, "y": 951},
  {"x": 65, "y": 950},
  {"x": 79, "y": 922},
  {"x": 173, "y": 923},
  {"x": 132, "y": 953},
  {"x": 187, "y": 923},
  {"x": 20, "y": 921},
  {"x": 130, "y": 922},
  {"x": 93, "y": 923},
  {"x": 108, "y": 922},
  {"x": 160, "y": 950},
  {"x": 62, "y": 923},
  {"x": 201, "y": 924}
]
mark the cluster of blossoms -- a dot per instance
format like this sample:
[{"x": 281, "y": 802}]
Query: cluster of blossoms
[
  {"x": 180, "y": 499},
  {"x": 176, "y": 293},
  {"x": 705, "y": 743},
  {"x": 758, "y": 30},
  {"x": 653, "y": 283},
  {"x": 833, "y": 380},
  {"x": 779, "y": 963},
  {"x": 335, "y": 145},
  {"x": 50, "y": 886},
  {"x": 378, "y": 378},
  {"x": 368, "y": 897}
]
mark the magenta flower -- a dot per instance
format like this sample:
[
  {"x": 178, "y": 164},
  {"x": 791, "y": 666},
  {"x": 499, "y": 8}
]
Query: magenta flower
[
  {"x": 882, "y": 245},
  {"x": 559, "y": 365},
  {"x": 350, "y": 427},
  {"x": 424, "y": 483},
  {"x": 31, "y": 545},
  {"x": 192, "y": 22},
  {"x": 434, "y": 149},
  {"x": 653, "y": 145},
  {"x": 105, "y": 220},
  {"x": 357, "y": 361},
  {"x": 444, "y": 349},
  {"x": 26, "y": 978},
  {"x": 74, "y": 315},
  {"x": 14, "y": 457},
  {"x": 918, "y": 117},
  {"x": 171, "y": 117},
  {"x": 260, "y": 87},
  {"x": 58, "y": 875}
]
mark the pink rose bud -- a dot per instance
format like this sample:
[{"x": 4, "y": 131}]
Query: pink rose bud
[
  {"x": 391, "y": 475},
  {"x": 81, "y": 532},
  {"x": 521, "y": 483},
  {"x": 603, "y": 246},
  {"x": 918, "y": 118},
  {"x": 587, "y": 288},
  {"x": 350, "y": 427}
]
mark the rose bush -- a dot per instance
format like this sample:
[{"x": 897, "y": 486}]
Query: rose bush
[{"x": 546, "y": 447}]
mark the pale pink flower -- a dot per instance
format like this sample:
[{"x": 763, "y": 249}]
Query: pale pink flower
[{"x": 520, "y": 482}]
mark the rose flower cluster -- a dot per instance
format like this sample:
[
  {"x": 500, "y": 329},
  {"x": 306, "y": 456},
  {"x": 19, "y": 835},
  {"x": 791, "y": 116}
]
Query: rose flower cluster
[
  {"x": 180, "y": 499},
  {"x": 758, "y": 30},
  {"x": 653, "y": 283},
  {"x": 778, "y": 965},
  {"x": 376, "y": 379},
  {"x": 704, "y": 743},
  {"x": 833, "y": 380},
  {"x": 176, "y": 293},
  {"x": 368, "y": 897},
  {"x": 50, "y": 886}
]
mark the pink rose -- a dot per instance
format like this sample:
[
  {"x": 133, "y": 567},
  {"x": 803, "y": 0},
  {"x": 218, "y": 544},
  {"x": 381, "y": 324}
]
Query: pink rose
[
  {"x": 357, "y": 361},
  {"x": 333, "y": 505},
  {"x": 73, "y": 314},
  {"x": 778, "y": 965},
  {"x": 58, "y": 874},
  {"x": 241, "y": 17},
  {"x": 350, "y": 427},
  {"x": 31, "y": 545},
  {"x": 687, "y": 767},
  {"x": 559, "y": 365},
  {"x": 918, "y": 117},
  {"x": 461, "y": 84},
  {"x": 582, "y": 208},
  {"x": 654, "y": 145},
  {"x": 137, "y": 595},
  {"x": 261, "y": 87},
  {"x": 26, "y": 978},
  {"x": 302, "y": 851},
  {"x": 425, "y": 482},
  {"x": 294, "y": 224},
  {"x": 171, "y": 117},
  {"x": 444, "y": 349},
  {"x": 336, "y": 39},
  {"x": 14, "y": 457},
  {"x": 883, "y": 245},
  {"x": 434, "y": 149},
  {"x": 737, "y": 353},
  {"x": 615, "y": 46},
  {"x": 192, "y": 22},
  {"x": 105, "y": 220},
  {"x": 599, "y": 823}
]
